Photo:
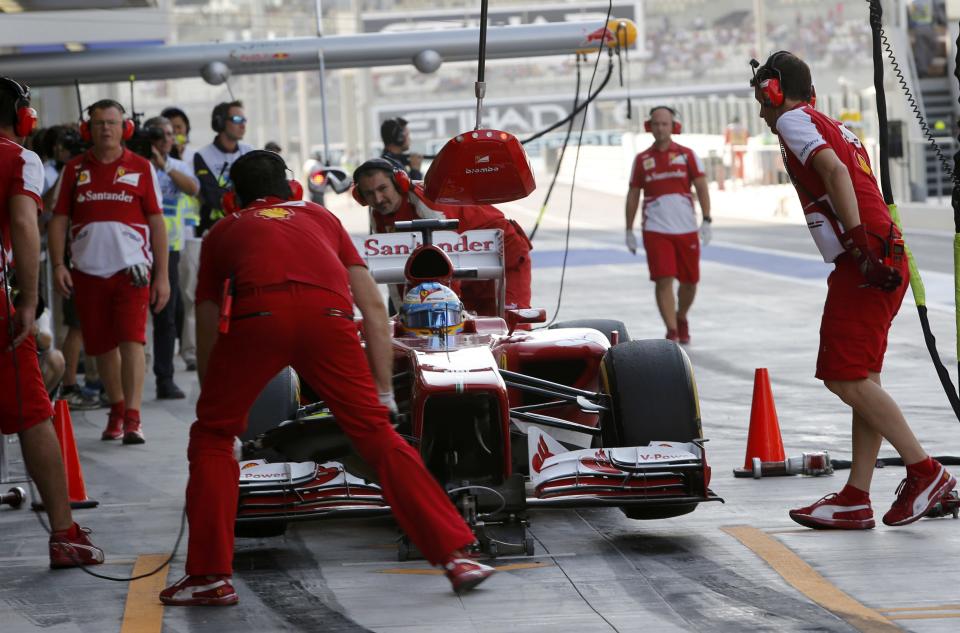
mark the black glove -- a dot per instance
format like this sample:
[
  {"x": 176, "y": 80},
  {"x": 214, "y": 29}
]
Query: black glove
[
  {"x": 856, "y": 241},
  {"x": 139, "y": 275}
]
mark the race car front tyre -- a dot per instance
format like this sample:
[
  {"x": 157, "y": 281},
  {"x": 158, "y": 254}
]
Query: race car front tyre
[
  {"x": 265, "y": 529},
  {"x": 653, "y": 397}
]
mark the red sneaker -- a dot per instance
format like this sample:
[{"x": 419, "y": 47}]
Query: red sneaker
[
  {"x": 200, "y": 591},
  {"x": 832, "y": 512},
  {"x": 672, "y": 336},
  {"x": 465, "y": 574},
  {"x": 114, "y": 430},
  {"x": 916, "y": 495},
  {"x": 72, "y": 548},
  {"x": 683, "y": 331},
  {"x": 132, "y": 433}
]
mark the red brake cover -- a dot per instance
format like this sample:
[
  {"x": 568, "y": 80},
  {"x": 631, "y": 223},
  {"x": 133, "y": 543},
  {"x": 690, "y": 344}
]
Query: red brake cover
[{"x": 480, "y": 167}]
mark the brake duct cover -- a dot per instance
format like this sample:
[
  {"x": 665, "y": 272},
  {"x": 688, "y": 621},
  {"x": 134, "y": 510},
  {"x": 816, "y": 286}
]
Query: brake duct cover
[{"x": 480, "y": 167}]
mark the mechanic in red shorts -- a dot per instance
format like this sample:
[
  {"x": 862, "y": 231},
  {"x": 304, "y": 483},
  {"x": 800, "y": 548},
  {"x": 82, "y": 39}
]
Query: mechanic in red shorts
[
  {"x": 852, "y": 227},
  {"x": 24, "y": 404},
  {"x": 386, "y": 189},
  {"x": 295, "y": 276},
  {"x": 110, "y": 197},
  {"x": 664, "y": 172}
]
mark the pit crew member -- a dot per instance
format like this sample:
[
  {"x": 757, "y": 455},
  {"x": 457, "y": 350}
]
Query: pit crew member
[
  {"x": 111, "y": 199},
  {"x": 24, "y": 404},
  {"x": 280, "y": 277},
  {"x": 212, "y": 162},
  {"x": 852, "y": 227},
  {"x": 391, "y": 198},
  {"x": 664, "y": 173}
]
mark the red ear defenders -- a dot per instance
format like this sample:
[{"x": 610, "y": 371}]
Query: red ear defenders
[
  {"x": 771, "y": 88},
  {"x": 127, "y": 125},
  {"x": 400, "y": 178},
  {"x": 676, "y": 122},
  {"x": 25, "y": 119}
]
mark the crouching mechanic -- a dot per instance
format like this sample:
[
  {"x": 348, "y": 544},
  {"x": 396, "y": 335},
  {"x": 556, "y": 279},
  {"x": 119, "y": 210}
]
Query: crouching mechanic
[
  {"x": 293, "y": 275},
  {"x": 24, "y": 404},
  {"x": 392, "y": 198},
  {"x": 852, "y": 227}
]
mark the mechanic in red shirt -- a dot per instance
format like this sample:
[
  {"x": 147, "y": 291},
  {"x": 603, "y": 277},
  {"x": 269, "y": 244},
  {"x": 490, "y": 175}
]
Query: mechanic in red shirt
[
  {"x": 852, "y": 228},
  {"x": 295, "y": 276},
  {"x": 664, "y": 172},
  {"x": 111, "y": 199},
  {"x": 24, "y": 404},
  {"x": 388, "y": 192}
]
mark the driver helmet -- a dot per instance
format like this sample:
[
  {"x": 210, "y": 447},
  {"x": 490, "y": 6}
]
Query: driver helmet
[{"x": 431, "y": 309}]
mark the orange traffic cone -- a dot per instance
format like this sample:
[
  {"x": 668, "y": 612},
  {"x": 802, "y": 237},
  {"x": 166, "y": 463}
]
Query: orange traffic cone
[
  {"x": 63, "y": 425},
  {"x": 763, "y": 441}
]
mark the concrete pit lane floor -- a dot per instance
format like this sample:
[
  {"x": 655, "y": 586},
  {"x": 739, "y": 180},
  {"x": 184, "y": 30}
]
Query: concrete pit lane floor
[{"x": 734, "y": 567}]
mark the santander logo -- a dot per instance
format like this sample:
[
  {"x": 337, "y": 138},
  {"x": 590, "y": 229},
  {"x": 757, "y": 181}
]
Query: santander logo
[
  {"x": 372, "y": 247},
  {"x": 104, "y": 196}
]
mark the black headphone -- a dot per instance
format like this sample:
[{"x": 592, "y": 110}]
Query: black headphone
[
  {"x": 218, "y": 119},
  {"x": 296, "y": 189},
  {"x": 392, "y": 131},
  {"x": 24, "y": 117}
]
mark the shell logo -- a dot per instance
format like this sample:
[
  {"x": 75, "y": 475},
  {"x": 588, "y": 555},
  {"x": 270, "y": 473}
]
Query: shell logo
[
  {"x": 863, "y": 165},
  {"x": 275, "y": 213}
]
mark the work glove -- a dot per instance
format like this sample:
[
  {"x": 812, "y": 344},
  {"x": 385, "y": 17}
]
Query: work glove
[
  {"x": 631, "y": 242},
  {"x": 387, "y": 400},
  {"x": 856, "y": 241},
  {"x": 139, "y": 275},
  {"x": 706, "y": 231}
]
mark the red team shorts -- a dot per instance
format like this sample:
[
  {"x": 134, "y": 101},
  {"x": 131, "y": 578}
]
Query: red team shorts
[
  {"x": 673, "y": 255},
  {"x": 33, "y": 395},
  {"x": 856, "y": 320},
  {"x": 111, "y": 310}
]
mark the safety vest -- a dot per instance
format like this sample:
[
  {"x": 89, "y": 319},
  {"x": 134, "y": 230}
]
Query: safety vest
[
  {"x": 191, "y": 213},
  {"x": 175, "y": 209}
]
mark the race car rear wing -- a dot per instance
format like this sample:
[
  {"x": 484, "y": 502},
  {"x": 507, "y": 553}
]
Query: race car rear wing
[{"x": 476, "y": 254}]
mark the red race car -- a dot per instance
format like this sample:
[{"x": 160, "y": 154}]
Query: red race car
[{"x": 506, "y": 417}]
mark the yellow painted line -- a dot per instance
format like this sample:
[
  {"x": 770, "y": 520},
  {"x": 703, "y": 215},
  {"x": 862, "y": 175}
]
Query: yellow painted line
[
  {"x": 419, "y": 571},
  {"x": 940, "y": 607},
  {"x": 143, "y": 612},
  {"x": 809, "y": 582},
  {"x": 925, "y": 616}
]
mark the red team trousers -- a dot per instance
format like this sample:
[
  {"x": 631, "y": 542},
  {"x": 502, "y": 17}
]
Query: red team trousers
[{"x": 326, "y": 352}]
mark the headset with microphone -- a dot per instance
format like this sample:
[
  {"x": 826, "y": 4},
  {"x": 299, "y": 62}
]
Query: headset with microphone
[
  {"x": 25, "y": 117},
  {"x": 127, "y": 125},
  {"x": 771, "y": 88},
  {"x": 648, "y": 124},
  {"x": 400, "y": 178},
  {"x": 230, "y": 204}
]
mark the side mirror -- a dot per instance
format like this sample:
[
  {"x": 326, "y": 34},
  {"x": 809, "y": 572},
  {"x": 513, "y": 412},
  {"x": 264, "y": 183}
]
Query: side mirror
[{"x": 523, "y": 315}]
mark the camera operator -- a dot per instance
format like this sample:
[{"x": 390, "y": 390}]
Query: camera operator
[{"x": 177, "y": 184}]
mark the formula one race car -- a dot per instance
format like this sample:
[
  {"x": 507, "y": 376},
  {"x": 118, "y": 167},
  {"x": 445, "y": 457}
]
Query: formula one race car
[{"x": 507, "y": 418}]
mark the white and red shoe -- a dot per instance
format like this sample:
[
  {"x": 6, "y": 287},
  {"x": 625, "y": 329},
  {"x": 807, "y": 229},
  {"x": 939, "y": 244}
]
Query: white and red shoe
[
  {"x": 132, "y": 431},
  {"x": 200, "y": 591},
  {"x": 917, "y": 495},
  {"x": 835, "y": 513},
  {"x": 73, "y": 548},
  {"x": 465, "y": 574},
  {"x": 114, "y": 430}
]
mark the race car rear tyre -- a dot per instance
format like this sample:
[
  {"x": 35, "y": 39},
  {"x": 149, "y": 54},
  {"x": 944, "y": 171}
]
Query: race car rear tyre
[
  {"x": 653, "y": 397},
  {"x": 605, "y": 326},
  {"x": 278, "y": 402},
  {"x": 265, "y": 529}
]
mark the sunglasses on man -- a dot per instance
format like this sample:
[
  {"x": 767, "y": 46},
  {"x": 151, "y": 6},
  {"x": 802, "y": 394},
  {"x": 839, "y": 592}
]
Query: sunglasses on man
[{"x": 236, "y": 118}]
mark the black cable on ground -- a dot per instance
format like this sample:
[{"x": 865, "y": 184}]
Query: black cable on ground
[{"x": 844, "y": 464}]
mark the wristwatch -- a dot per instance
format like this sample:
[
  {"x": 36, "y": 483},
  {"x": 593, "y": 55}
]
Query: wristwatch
[{"x": 708, "y": 219}]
